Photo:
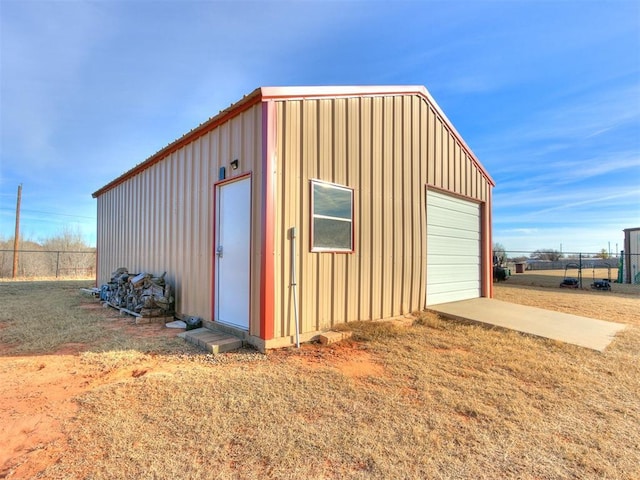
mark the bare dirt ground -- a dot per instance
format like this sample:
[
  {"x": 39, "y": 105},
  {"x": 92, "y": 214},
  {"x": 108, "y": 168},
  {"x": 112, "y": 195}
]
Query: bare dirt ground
[
  {"x": 38, "y": 397},
  {"x": 40, "y": 391}
]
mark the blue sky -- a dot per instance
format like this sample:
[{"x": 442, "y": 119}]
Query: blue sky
[{"x": 547, "y": 94}]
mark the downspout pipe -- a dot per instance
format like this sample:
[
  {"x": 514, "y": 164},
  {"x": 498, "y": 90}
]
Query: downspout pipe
[{"x": 294, "y": 286}]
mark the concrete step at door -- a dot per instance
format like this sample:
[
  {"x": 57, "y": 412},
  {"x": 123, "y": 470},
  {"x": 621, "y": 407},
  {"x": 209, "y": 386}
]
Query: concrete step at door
[{"x": 212, "y": 342}]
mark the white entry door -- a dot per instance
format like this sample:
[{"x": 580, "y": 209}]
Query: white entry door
[{"x": 232, "y": 253}]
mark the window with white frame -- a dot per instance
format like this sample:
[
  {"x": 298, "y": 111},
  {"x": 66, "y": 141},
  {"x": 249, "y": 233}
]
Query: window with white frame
[{"x": 332, "y": 217}]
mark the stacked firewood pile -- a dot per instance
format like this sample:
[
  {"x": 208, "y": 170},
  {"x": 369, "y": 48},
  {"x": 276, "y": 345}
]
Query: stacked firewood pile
[{"x": 139, "y": 293}]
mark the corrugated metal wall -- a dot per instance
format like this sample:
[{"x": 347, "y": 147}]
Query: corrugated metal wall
[
  {"x": 387, "y": 149},
  {"x": 632, "y": 256},
  {"x": 162, "y": 218}
]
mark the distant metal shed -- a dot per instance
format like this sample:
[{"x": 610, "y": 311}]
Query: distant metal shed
[
  {"x": 631, "y": 257},
  {"x": 392, "y": 212}
]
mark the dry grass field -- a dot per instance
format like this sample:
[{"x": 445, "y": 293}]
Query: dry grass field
[
  {"x": 541, "y": 289},
  {"x": 87, "y": 394}
]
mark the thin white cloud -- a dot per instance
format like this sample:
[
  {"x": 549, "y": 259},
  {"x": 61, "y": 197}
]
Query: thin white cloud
[
  {"x": 567, "y": 125},
  {"x": 44, "y": 45},
  {"x": 588, "y": 238},
  {"x": 535, "y": 179},
  {"x": 539, "y": 199}
]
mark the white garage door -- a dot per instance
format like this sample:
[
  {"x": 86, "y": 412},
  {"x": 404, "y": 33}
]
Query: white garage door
[{"x": 453, "y": 249}]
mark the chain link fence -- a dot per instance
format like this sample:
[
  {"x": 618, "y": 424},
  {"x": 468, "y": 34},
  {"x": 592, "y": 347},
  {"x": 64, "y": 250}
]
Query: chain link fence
[
  {"x": 620, "y": 268},
  {"x": 33, "y": 264},
  {"x": 623, "y": 267}
]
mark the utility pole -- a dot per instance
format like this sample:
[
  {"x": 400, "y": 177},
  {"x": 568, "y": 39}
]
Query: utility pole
[{"x": 16, "y": 237}]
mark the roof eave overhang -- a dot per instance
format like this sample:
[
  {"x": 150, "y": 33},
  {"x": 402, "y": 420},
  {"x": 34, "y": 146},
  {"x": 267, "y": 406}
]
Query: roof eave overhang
[{"x": 235, "y": 109}]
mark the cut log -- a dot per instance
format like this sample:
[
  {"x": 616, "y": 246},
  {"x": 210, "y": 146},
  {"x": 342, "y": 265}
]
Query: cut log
[
  {"x": 138, "y": 279},
  {"x": 137, "y": 292}
]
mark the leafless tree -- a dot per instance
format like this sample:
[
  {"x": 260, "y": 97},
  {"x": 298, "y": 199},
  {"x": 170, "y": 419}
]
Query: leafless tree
[
  {"x": 63, "y": 254},
  {"x": 547, "y": 254},
  {"x": 499, "y": 254}
]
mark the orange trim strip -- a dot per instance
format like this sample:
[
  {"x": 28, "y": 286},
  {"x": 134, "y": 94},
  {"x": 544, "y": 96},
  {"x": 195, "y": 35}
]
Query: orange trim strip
[
  {"x": 267, "y": 300},
  {"x": 489, "y": 253},
  {"x": 485, "y": 238},
  {"x": 98, "y": 232}
]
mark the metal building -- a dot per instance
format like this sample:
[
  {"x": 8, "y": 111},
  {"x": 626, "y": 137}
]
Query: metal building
[
  {"x": 388, "y": 208},
  {"x": 631, "y": 257}
]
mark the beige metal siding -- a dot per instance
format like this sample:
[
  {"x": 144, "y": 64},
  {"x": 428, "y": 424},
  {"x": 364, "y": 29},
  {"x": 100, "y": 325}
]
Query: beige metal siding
[
  {"x": 386, "y": 148},
  {"x": 631, "y": 263},
  {"x": 161, "y": 219}
]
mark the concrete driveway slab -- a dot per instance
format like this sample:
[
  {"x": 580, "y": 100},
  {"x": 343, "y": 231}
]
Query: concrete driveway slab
[{"x": 574, "y": 329}]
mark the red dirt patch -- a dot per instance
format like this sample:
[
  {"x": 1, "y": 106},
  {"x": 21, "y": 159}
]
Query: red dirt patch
[
  {"x": 347, "y": 357},
  {"x": 361, "y": 364},
  {"x": 71, "y": 349},
  {"x": 38, "y": 394},
  {"x": 38, "y": 397}
]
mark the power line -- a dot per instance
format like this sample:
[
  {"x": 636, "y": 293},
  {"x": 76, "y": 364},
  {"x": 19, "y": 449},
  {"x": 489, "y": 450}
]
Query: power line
[{"x": 52, "y": 213}]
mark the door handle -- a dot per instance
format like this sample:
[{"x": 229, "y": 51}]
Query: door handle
[{"x": 219, "y": 251}]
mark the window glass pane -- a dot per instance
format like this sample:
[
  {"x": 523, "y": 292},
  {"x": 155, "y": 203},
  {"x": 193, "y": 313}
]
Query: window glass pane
[
  {"x": 331, "y": 201},
  {"x": 329, "y": 233}
]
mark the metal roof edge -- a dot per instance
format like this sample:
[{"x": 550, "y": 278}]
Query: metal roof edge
[
  {"x": 234, "y": 109},
  {"x": 455, "y": 132},
  {"x": 328, "y": 91}
]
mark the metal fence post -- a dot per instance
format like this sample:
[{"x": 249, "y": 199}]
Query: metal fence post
[{"x": 580, "y": 269}]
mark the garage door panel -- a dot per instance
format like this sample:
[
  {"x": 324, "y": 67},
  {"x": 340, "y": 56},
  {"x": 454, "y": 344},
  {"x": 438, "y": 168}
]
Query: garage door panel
[
  {"x": 470, "y": 286},
  {"x": 469, "y": 261},
  {"x": 453, "y": 249},
  {"x": 448, "y": 220},
  {"x": 455, "y": 296},
  {"x": 469, "y": 210},
  {"x": 441, "y": 216},
  {"x": 453, "y": 246},
  {"x": 443, "y": 274},
  {"x": 454, "y": 287},
  {"x": 469, "y": 257},
  {"x": 448, "y": 202},
  {"x": 457, "y": 246},
  {"x": 440, "y": 233}
]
